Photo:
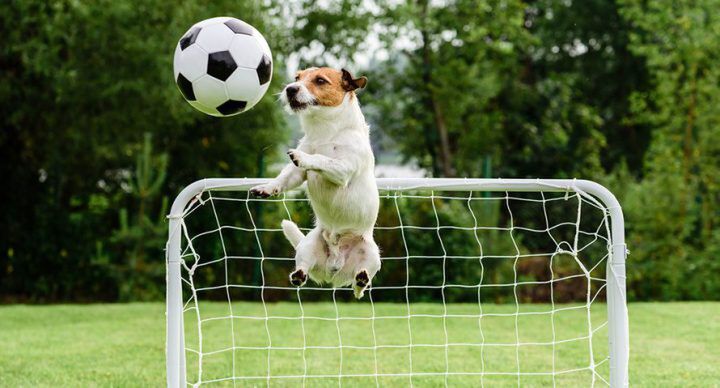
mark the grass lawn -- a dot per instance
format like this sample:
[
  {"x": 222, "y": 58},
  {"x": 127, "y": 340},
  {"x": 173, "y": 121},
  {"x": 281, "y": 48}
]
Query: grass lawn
[{"x": 672, "y": 344}]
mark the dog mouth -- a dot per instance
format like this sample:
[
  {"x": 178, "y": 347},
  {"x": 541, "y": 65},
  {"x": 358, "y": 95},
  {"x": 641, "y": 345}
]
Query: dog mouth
[{"x": 298, "y": 106}]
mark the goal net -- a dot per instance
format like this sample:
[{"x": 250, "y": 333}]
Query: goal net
[{"x": 483, "y": 282}]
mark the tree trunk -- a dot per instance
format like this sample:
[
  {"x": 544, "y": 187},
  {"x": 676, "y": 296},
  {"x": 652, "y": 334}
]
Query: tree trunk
[
  {"x": 438, "y": 116},
  {"x": 688, "y": 142},
  {"x": 445, "y": 155}
]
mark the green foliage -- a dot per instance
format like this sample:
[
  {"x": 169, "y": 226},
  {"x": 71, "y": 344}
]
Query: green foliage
[
  {"x": 469, "y": 79},
  {"x": 135, "y": 237},
  {"x": 674, "y": 208},
  {"x": 81, "y": 83},
  {"x": 446, "y": 96},
  {"x": 624, "y": 92}
]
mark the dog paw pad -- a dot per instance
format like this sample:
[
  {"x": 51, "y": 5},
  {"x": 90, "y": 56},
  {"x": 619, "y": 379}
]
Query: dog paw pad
[
  {"x": 261, "y": 192},
  {"x": 298, "y": 278},
  {"x": 362, "y": 279}
]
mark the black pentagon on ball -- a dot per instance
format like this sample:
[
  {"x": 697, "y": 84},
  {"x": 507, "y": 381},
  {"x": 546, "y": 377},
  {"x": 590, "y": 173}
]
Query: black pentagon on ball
[
  {"x": 189, "y": 38},
  {"x": 264, "y": 70},
  {"x": 239, "y": 27},
  {"x": 220, "y": 65},
  {"x": 186, "y": 88},
  {"x": 231, "y": 106}
]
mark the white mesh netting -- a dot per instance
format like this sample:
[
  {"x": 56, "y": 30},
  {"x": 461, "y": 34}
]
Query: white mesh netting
[{"x": 476, "y": 288}]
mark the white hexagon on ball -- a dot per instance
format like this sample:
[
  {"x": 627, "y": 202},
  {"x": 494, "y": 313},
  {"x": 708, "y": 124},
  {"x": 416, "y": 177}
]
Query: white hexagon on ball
[
  {"x": 243, "y": 85},
  {"x": 210, "y": 91},
  {"x": 245, "y": 51},
  {"x": 193, "y": 62},
  {"x": 215, "y": 37}
]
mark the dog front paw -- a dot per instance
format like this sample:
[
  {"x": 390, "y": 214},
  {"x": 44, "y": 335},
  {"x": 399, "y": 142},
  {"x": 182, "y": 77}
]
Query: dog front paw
[
  {"x": 298, "y": 278},
  {"x": 297, "y": 157},
  {"x": 264, "y": 191}
]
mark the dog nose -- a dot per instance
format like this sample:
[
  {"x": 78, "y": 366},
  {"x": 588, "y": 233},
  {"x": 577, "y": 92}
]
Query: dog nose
[{"x": 291, "y": 91}]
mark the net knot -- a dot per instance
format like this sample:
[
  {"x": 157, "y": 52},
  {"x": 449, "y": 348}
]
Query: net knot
[
  {"x": 200, "y": 199},
  {"x": 572, "y": 187},
  {"x": 197, "y": 198}
]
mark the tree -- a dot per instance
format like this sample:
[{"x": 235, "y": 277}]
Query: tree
[
  {"x": 81, "y": 83},
  {"x": 674, "y": 208},
  {"x": 143, "y": 231},
  {"x": 468, "y": 81}
]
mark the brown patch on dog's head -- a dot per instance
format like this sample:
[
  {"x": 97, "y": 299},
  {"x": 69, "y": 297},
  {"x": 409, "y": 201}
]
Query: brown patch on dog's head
[{"x": 328, "y": 85}]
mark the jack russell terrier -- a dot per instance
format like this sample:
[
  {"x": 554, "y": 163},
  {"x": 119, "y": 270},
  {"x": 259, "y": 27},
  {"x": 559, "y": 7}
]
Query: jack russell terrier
[{"x": 337, "y": 161}]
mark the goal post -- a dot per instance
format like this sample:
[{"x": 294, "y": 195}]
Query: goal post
[{"x": 578, "y": 266}]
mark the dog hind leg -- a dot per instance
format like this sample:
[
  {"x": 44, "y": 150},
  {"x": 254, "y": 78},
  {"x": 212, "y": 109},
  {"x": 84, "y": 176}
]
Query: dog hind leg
[
  {"x": 366, "y": 258},
  {"x": 310, "y": 249}
]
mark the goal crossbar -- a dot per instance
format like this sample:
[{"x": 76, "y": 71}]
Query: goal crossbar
[{"x": 617, "y": 317}]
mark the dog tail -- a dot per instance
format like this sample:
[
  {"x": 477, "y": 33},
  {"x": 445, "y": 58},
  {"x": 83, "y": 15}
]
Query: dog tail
[{"x": 292, "y": 232}]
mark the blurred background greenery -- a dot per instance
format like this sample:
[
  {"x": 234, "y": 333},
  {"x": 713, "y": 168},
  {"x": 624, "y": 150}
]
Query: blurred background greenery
[{"x": 96, "y": 140}]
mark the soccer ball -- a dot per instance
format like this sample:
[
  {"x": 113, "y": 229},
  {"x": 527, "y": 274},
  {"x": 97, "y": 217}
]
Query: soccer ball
[{"x": 222, "y": 66}]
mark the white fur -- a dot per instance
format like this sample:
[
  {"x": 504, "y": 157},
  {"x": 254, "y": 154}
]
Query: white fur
[{"x": 336, "y": 159}]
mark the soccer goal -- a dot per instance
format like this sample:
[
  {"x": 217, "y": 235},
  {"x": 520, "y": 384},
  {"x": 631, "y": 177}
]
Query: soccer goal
[{"x": 483, "y": 282}]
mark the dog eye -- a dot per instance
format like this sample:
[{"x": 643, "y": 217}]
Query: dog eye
[
  {"x": 297, "y": 78},
  {"x": 320, "y": 81}
]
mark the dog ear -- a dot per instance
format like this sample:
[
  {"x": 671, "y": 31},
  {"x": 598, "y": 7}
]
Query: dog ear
[{"x": 349, "y": 83}]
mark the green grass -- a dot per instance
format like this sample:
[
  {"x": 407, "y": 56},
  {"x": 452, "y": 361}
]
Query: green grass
[{"x": 672, "y": 344}]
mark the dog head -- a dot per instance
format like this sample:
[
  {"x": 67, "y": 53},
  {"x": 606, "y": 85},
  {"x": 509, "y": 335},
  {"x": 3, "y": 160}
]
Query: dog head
[{"x": 318, "y": 88}]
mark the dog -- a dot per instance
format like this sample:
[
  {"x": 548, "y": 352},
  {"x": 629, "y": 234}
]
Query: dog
[{"x": 336, "y": 160}]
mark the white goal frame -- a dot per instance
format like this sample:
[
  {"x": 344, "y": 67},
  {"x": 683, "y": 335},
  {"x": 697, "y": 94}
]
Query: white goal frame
[{"x": 618, "y": 333}]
